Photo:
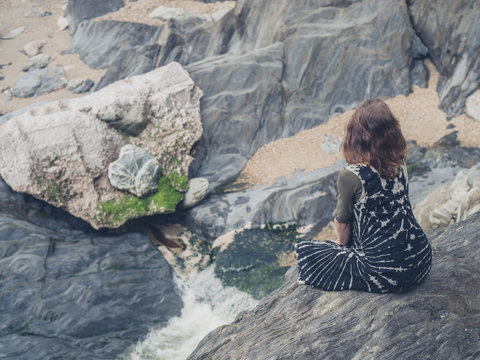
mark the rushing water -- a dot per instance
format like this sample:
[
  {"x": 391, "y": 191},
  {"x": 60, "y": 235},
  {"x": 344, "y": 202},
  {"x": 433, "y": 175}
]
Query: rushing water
[{"x": 207, "y": 305}]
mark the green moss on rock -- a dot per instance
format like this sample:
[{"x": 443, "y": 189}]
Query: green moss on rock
[
  {"x": 252, "y": 262},
  {"x": 116, "y": 212},
  {"x": 179, "y": 182}
]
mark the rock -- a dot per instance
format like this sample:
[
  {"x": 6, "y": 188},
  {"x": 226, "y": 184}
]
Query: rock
[
  {"x": 68, "y": 291},
  {"x": 253, "y": 86},
  {"x": 15, "y": 32},
  {"x": 419, "y": 50},
  {"x": 166, "y": 13},
  {"x": 135, "y": 171},
  {"x": 37, "y": 12},
  {"x": 39, "y": 82},
  {"x": 34, "y": 47},
  {"x": 62, "y": 23},
  {"x": 419, "y": 74},
  {"x": 79, "y": 86},
  {"x": 197, "y": 190},
  {"x": 60, "y": 152},
  {"x": 435, "y": 320},
  {"x": 80, "y": 10},
  {"x": 472, "y": 105},
  {"x": 304, "y": 199},
  {"x": 37, "y": 62},
  {"x": 452, "y": 202},
  {"x": 453, "y": 42}
]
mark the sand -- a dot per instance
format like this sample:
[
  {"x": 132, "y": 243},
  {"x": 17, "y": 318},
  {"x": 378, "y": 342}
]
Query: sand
[
  {"x": 419, "y": 117},
  {"x": 12, "y": 16}
]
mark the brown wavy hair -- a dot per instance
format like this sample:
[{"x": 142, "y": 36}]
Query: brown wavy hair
[{"x": 373, "y": 136}]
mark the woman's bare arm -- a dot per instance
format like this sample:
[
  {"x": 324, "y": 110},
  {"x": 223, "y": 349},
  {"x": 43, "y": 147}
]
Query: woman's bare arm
[{"x": 343, "y": 232}]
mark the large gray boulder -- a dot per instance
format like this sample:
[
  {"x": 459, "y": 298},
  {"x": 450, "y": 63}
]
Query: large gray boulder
[
  {"x": 80, "y": 10},
  {"x": 60, "y": 152},
  {"x": 439, "y": 319},
  {"x": 451, "y": 31}
]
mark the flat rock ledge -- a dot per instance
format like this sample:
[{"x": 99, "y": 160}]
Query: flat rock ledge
[
  {"x": 440, "y": 319},
  {"x": 60, "y": 152}
]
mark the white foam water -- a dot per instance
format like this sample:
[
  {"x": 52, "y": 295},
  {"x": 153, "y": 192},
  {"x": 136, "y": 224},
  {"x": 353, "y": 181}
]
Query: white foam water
[{"x": 206, "y": 305}]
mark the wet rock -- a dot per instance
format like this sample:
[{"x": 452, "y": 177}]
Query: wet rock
[
  {"x": 68, "y": 291},
  {"x": 60, "y": 152},
  {"x": 39, "y": 82},
  {"x": 34, "y": 47},
  {"x": 135, "y": 171},
  {"x": 472, "y": 105},
  {"x": 80, "y": 10},
  {"x": 79, "y": 86},
  {"x": 197, "y": 190},
  {"x": 453, "y": 43},
  {"x": 39, "y": 61},
  {"x": 435, "y": 320},
  {"x": 257, "y": 259}
]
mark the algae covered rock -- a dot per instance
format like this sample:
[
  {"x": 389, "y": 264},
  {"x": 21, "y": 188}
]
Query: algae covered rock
[{"x": 60, "y": 151}]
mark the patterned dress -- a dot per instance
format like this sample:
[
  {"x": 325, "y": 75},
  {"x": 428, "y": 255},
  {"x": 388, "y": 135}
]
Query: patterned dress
[{"x": 387, "y": 252}]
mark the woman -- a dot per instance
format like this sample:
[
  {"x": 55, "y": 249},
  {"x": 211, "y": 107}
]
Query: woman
[{"x": 380, "y": 246}]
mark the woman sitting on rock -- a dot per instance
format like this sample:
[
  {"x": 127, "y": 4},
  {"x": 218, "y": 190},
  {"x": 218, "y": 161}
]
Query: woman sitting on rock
[{"x": 380, "y": 246}]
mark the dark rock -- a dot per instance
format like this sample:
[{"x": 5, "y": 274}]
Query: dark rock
[
  {"x": 437, "y": 320},
  {"x": 38, "y": 82},
  {"x": 419, "y": 50},
  {"x": 419, "y": 73},
  {"x": 68, "y": 292},
  {"x": 79, "y": 86},
  {"x": 305, "y": 199},
  {"x": 79, "y": 10},
  {"x": 451, "y": 32}
]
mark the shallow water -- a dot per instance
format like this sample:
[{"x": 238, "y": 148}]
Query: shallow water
[{"x": 207, "y": 305}]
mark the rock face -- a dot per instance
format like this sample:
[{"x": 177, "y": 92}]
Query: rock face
[
  {"x": 305, "y": 199},
  {"x": 268, "y": 69},
  {"x": 80, "y": 10},
  {"x": 60, "y": 152},
  {"x": 472, "y": 105},
  {"x": 439, "y": 319},
  {"x": 69, "y": 292},
  {"x": 451, "y": 32},
  {"x": 135, "y": 171}
]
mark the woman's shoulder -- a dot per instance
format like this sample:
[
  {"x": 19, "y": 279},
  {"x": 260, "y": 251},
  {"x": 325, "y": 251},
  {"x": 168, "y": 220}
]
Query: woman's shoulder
[{"x": 349, "y": 176}]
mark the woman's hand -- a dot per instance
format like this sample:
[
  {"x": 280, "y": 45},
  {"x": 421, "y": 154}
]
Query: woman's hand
[{"x": 343, "y": 232}]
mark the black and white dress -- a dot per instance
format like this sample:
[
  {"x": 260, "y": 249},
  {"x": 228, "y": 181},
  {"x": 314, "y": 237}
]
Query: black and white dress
[{"x": 387, "y": 252}]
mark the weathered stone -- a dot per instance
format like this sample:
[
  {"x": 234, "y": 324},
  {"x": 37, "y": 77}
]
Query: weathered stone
[
  {"x": 167, "y": 13},
  {"x": 80, "y": 10},
  {"x": 60, "y": 152},
  {"x": 451, "y": 32},
  {"x": 135, "y": 171},
  {"x": 34, "y": 47},
  {"x": 15, "y": 32},
  {"x": 438, "y": 319},
  {"x": 79, "y": 86},
  {"x": 129, "y": 118},
  {"x": 37, "y": 62},
  {"x": 39, "y": 82},
  {"x": 472, "y": 105},
  {"x": 71, "y": 293},
  {"x": 419, "y": 73},
  {"x": 197, "y": 190},
  {"x": 62, "y": 23}
]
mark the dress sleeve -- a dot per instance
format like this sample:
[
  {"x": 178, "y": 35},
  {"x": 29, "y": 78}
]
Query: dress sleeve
[{"x": 349, "y": 190}]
